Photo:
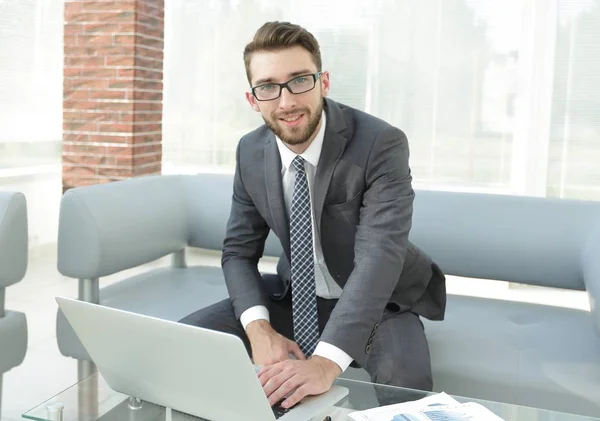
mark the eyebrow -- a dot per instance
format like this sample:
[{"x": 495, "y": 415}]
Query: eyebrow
[{"x": 290, "y": 76}]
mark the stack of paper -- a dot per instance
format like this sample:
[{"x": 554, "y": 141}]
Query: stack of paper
[{"x": 438, "y": 407}]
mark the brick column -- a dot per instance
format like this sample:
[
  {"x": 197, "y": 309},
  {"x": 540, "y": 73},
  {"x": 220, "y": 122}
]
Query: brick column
[{"x": 112, "y": 104}]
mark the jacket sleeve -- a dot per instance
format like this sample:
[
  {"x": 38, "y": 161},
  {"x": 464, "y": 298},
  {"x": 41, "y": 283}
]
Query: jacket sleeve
[
  {"x": 380, "y": 246},
  {"x": 243, "y": 247}
]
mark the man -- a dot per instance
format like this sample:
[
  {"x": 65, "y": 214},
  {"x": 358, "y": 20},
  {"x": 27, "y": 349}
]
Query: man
[{"x": 334, "y": 185}]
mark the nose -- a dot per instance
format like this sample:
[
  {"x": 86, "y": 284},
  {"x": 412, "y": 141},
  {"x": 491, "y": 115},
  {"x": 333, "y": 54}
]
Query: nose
[{"x": 287, "y": 99}]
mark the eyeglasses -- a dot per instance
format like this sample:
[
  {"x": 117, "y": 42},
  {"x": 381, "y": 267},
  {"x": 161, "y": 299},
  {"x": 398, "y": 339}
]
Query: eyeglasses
[{"x": 297, "y": 85}]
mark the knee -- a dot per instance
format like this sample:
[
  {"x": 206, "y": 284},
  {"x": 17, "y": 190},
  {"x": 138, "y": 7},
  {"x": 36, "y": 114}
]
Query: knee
[
  {"x": 197, "y": 318},
  {"x": 214, "y": 317},
  {"x": 393, "y": 374},
  {"x": 420, "y": 381},
  {"x": 383, "y": 371},
  {"x": 192, "y": 320}
]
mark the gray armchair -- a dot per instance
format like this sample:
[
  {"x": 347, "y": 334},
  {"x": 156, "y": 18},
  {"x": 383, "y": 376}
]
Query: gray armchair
[{"x": 13, "y": 265}]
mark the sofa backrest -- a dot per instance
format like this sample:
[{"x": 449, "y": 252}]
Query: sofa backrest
[
  {"x": 13, "y": 237},
  {"x": 531, "y": 240},
  {"x": 209, "y": 198},
  {"x": 537, "y": 241}
]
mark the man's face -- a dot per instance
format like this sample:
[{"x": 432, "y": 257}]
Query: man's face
[{"x": 294, "y": 118}]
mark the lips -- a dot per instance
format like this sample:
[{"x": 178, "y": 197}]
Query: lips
[{"x": 293, "y": 120}]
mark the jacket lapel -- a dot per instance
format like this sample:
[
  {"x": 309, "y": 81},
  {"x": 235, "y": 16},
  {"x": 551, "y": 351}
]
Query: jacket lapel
[
  {"x": 334, "y": 144},
  {"x": 275, "y": 193}
]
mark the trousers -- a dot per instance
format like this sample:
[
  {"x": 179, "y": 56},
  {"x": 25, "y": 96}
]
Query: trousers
[{"x": 399, "y": 352}]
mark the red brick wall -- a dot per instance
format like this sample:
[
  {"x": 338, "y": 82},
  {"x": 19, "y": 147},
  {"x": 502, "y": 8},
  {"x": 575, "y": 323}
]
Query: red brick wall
[{"x": 113, "y": 83}]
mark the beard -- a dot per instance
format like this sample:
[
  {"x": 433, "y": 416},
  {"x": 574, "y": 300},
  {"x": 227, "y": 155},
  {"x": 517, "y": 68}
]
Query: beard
[{"x": 295, "y": 135}]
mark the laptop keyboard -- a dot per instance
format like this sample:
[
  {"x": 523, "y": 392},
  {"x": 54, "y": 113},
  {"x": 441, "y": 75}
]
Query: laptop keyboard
[{"x": 279, "y": 411}]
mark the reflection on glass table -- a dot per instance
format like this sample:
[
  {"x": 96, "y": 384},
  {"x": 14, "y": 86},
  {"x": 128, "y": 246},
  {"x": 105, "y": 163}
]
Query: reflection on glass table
[{"x": 92, "y": 399}]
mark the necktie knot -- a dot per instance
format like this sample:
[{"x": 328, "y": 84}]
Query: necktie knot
[{"x": 298, "y": 163}]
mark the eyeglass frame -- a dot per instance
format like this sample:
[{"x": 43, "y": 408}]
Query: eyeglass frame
[{"x": 315, "y": 77}]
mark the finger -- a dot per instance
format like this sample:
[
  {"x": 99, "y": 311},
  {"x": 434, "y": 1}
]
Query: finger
[
  {"x": 267, "y": 367},
  {"x": 285, "y": 387},
  {"x": 263, "y": 370},
  {"x": 275, "y": 383},
  {"x": 295, "y": 349},
  {"x": 276, "y": 378},
  {"x": 300, "y": 393},
  {"x": 268, "y": 372}
]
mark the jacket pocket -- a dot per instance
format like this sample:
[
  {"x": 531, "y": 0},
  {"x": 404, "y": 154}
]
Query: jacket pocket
[{"x": 348, "y": 210}]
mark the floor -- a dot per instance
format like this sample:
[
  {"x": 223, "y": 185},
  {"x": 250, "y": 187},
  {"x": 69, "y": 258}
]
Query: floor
[{"x": 45, "y": 372}]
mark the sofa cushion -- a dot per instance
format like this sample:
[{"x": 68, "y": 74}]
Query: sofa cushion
[
  {"x": 166, "y": 293},
  {"x": 521, "y": 353}
]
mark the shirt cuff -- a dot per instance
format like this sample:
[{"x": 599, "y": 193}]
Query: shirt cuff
[
  {"x": 333, "y": 353},
  {"x": 254, "y": 313}
]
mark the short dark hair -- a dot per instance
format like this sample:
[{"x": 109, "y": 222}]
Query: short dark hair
[{"x": 273, "y": 36}]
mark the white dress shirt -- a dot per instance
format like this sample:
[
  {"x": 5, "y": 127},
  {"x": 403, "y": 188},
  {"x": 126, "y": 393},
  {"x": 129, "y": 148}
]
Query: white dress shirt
[{"x": 326, "y": 287}]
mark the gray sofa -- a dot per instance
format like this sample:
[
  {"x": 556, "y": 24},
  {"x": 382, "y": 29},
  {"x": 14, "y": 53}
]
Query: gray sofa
[
  {"x": 13, "y": 265},
  {"x": 528, "y": 354}
]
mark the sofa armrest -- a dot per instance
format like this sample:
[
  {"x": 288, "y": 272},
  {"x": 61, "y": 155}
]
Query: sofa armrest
[
  {"x": 13, "y": 238},
  {"x": 106, "y": 228},
  {"x": 591, "y": 272}
]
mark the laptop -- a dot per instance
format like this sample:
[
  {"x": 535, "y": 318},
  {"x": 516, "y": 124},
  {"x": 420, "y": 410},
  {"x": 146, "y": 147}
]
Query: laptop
[{"x": 196, "y": 371}]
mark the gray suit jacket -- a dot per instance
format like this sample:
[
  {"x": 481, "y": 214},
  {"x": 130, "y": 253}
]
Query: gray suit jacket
[{"x": 363, "y": 202}]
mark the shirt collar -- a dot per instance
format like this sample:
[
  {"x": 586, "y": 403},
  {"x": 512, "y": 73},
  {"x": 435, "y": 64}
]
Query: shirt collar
[{"x": 311, "y": 154}]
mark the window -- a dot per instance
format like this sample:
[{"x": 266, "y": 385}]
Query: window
[
  {"x": 574, "y": 154},
  {"x": 494, "y": 96},
  {"x": 31, "y": 46}
]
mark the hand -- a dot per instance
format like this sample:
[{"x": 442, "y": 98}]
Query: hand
[
  {"x": 268, "y": 346},
  {"x": 308, "y": 377}
]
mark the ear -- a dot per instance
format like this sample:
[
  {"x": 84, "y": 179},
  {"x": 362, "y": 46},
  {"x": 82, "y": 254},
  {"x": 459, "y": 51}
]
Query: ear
[
  {"x": 252, "y": 101},
  {"x": 325, "y": 83}
]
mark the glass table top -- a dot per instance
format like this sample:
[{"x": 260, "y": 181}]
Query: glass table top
[{"x": 92, "y": 399}]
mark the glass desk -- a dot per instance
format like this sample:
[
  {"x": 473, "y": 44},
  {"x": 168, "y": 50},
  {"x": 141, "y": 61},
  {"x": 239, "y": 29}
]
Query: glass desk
[{"x": 92, "y": 399}]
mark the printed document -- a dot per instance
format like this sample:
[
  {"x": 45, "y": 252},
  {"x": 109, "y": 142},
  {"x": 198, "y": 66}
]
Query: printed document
[{"x": 438, "y": 407}]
